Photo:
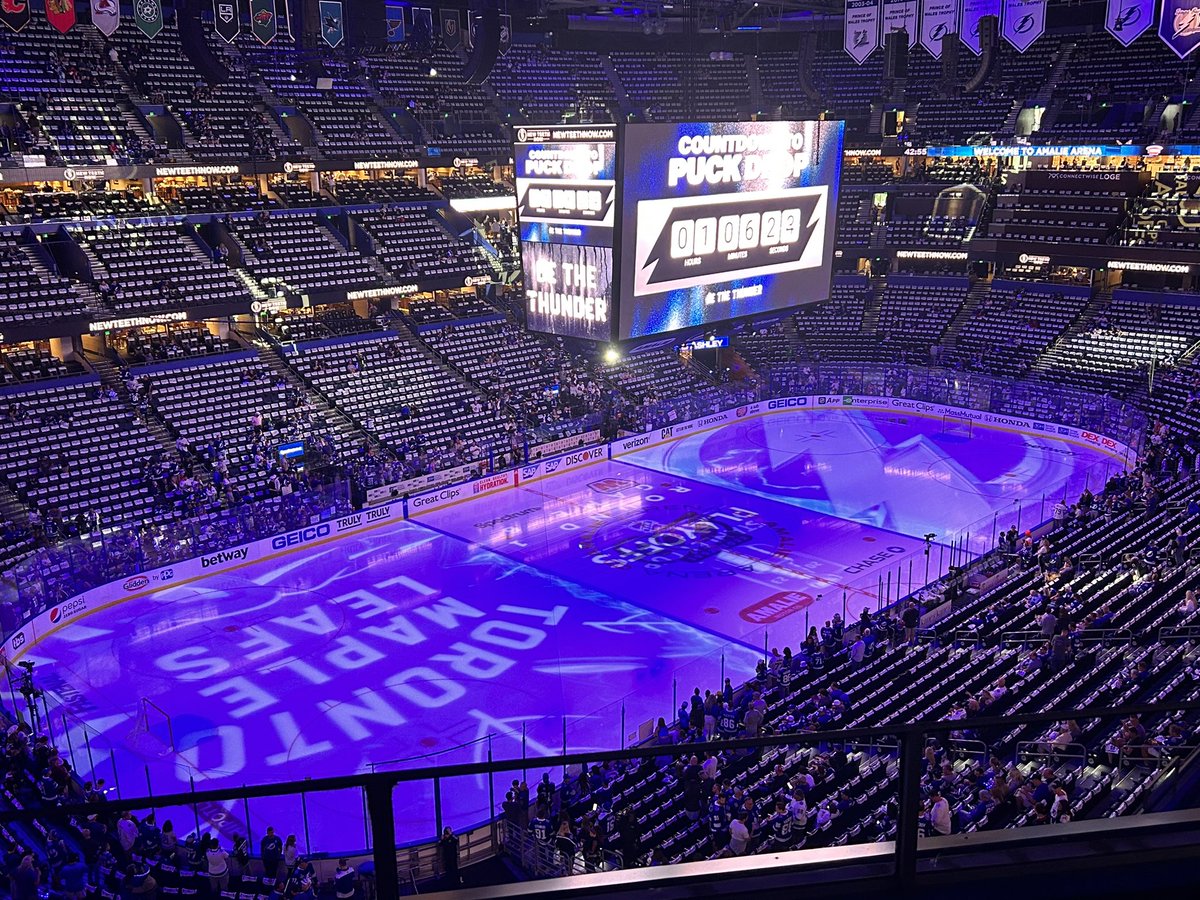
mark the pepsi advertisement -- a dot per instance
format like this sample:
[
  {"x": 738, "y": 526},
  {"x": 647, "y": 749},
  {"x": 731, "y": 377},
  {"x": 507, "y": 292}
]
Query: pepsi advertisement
[
  {"x": 723, "y": 220},
  {"x": 566, "y": 206}
]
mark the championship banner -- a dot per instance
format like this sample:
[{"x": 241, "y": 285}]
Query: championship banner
[
  {"x": 938, "y": 19},
  {"x": 333, "y": 31},
  {"x": 1024, "y": 21},
  {"x": 264, "y": 24},
  {"x": 1179, "y": 26},
  {"x": 862, "y": 29},
  {"x": 901, "y": 14},
  {"x": 1128, "y": 20},
  {"x": 972, "y": 12},
  {"x": 505, "y": 34},
  {"x": 395, "y": 24},
  {"x": 451, "y": 32},
  {"x": 15, "y": 13},
  {"x": 61, "y": 14},
  {"x": 148, "y": 17},
  {"x": 226, "y": 20},
  {"x": 106, "y": 16}
]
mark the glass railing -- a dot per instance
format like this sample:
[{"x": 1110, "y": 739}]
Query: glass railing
[{"x": 893, "y": 793}]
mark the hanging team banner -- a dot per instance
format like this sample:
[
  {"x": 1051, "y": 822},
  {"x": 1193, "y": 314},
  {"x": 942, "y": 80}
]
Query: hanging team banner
[
  {"x": 148, "y": 17},
  {"x": 332, "y": 30},
  {"x": 972, "y": 12},
  {"x": 1128, "y": 20},
  {"x": 1023, "y": 22},
  {"x": 106, "y": 16},
  {"x": 938, "y": 19},
  {"x": 264, "y": 24},
  {"x": 227, "y": 21},
  {"x": 901, "y": 14},
  {"x": 862, "y": 29},
  {"x": 15, "y": 13},
  {"x": 451, "y": 33},
  {"x": 61, "y": 14},
  {"x": 505, "y": 34},
  {"x": 1179, "y": 26},
  {"x": 395, "y": 23}
]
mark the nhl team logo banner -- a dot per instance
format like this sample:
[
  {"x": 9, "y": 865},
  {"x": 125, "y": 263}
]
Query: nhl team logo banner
[
  {"x": 1024, "y": 21},
  {"x": 1128, "y": 20},
  {"x": 264, "y": 24},
  {"x": 451, "y": 31},
  {"x": 862, "y": 29},
  {"x": 61, "y": 14},
  {"x": 148, "y": 16},
  {"x": 972, "y": 12},
  {"x": 395, "y": 24},
  {"x": 15, "y": 13},
  {"x": 938, "y": 19},
  {"x": 228, "y": 22},
  {"x": 332, "y": 30},
  {"x": 1179, "y": 25},
  {"x": 106, "y": 16},
  {"x": 505, "y": 34},
  {"x": 901, "y": 14}
]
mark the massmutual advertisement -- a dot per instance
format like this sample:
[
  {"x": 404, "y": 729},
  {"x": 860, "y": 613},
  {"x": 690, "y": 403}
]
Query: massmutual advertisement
[
  {"x": 566, "y": 199},
  {"x": 725, "y": 219}
]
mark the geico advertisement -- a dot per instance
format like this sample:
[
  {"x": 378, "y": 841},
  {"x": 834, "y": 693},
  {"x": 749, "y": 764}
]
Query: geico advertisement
[{"x": 728, "y": 219}]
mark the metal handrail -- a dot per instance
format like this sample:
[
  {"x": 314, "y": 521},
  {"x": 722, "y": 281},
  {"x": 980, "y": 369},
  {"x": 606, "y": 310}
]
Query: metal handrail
[
  {"x": 1033, "y": 751},
  {"x": 1162, "y": 755}
]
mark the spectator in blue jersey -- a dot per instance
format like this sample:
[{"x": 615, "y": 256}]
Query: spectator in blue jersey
[
  {"x": 270, "y": 848},
  {"x": 780, "y": 825},
  {"x": 727, "y": 725},
  {"x": 74, "y": 877},
  {"x": 344, "y": 880},
  {"x": 719, "y": 819},
  {"x": 540, "y": 825}
]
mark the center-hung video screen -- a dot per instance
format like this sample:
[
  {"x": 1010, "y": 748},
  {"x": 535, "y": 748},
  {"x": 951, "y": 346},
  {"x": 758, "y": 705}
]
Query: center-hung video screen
[{"x": 725, "y": 219}]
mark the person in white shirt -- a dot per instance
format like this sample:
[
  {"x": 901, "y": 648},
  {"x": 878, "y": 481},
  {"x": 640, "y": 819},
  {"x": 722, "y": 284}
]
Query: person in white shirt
[
  {"x": 739, "y": 836},
  {"x": 218, "y": 868},
  {"x": 939, "y": 814},
  {"x": 799, "y": 810}
]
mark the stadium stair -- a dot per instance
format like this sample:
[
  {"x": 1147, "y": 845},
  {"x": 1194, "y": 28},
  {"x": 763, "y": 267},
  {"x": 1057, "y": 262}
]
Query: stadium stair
[{"x": 976, "y": 295}]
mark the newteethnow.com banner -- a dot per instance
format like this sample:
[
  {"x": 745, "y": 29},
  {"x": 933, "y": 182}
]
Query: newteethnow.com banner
[
  {"x": 566, "y": 180},
  {"x": 724, "y": 219},
  {"x": 938, "y": 19}
]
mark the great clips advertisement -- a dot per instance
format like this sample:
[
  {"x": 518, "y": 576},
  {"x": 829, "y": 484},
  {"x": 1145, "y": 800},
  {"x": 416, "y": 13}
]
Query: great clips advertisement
[{"x": 725, "y": 219}]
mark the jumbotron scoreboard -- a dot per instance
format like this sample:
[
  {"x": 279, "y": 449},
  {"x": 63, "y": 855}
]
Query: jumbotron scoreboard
[{"x": 635, "y": 230}]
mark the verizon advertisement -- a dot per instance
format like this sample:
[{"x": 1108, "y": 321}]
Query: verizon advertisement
[
  {"x": 724, "y": 219},
  {"x": 566, "y": 207}
]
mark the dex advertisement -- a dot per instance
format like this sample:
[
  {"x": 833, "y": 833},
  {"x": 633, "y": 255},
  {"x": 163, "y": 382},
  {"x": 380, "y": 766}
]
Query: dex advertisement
[
  {"x": 566, "y": 207},
  {"x": 722, "y": 220}
]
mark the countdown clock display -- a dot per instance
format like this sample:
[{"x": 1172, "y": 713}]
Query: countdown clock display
[{"x": 698, "y": 240}]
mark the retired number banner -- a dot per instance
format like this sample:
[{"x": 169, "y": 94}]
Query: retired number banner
[
  {"x": 106, "y": 16},
  {"x": 1128, "y": 20},
  {"x": 862, "y": 29},
  {"x": 227, "y": 21},
  {"x": 938, "y": 19},
  {"x": 973, "y": 12},
  {"x": 333, "y": 32},
  {"x": 901, "y": 15},
  {"x": 1023, "y": 22},
  {"x": 1179, "y": 26}
]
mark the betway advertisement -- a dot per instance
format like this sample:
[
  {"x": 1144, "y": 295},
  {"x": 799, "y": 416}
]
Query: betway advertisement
[
  {"x": 566, "y": 207},
  {"x": 725, "y": 219}
]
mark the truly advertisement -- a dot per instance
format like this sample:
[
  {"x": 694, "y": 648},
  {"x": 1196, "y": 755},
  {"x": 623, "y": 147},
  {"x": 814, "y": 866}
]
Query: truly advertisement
[{"x": 724, "y": 220}]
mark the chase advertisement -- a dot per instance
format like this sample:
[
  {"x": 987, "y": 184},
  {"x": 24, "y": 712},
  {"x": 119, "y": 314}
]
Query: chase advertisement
[
  {"x": 566, "y": 207},
  {"x": 722, "y": 220}
]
